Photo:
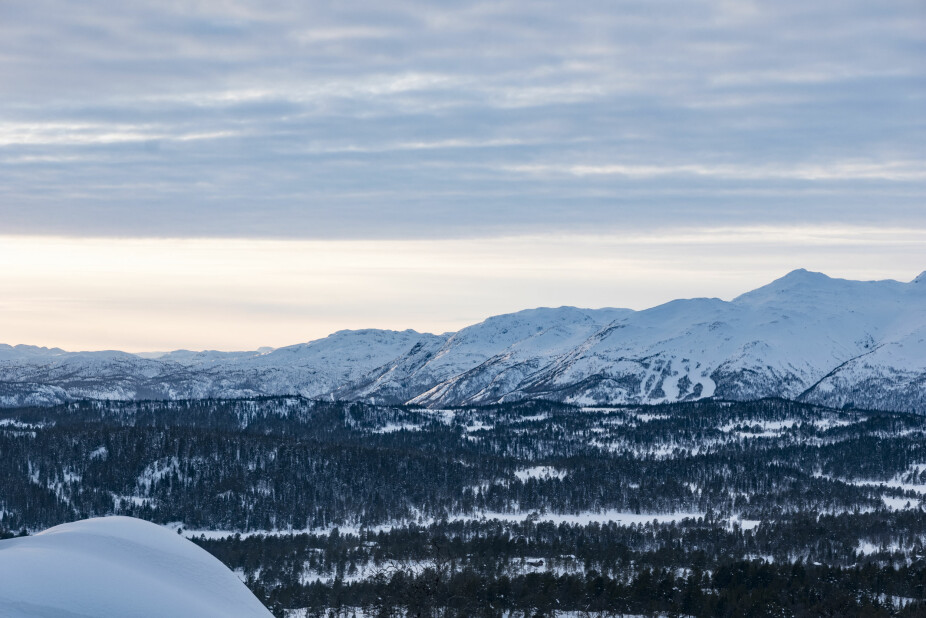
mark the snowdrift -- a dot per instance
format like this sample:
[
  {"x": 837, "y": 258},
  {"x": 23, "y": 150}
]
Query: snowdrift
[{"x": 117, "y": 566}]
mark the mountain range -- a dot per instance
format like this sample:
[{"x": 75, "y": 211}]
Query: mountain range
[{"x": 805, "y": 336}]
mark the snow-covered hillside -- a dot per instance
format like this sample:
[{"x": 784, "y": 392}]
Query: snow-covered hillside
[
  {"x": 117, "y": 566},
  {"x": 804, "y": 336}
]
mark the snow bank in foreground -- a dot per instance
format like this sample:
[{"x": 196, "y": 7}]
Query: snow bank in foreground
[{"x": 117, "y": 566}]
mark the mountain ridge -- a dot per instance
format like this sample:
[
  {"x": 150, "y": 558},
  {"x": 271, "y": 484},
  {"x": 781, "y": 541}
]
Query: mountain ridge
[{"x": 803, "y": 336}]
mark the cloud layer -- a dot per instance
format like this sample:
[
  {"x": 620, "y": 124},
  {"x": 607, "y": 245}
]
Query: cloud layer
[{"x": 453, "y": 119}]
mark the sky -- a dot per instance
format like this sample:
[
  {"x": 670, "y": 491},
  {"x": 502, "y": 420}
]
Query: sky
[{"x": 226, "y": 174}]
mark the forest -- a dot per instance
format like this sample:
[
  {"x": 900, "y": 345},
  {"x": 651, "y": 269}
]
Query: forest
[{"x": 533, "y": 508}]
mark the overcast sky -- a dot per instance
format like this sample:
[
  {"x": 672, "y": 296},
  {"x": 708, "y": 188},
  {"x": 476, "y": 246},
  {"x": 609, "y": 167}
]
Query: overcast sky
[{"x": 300, "y": 131}]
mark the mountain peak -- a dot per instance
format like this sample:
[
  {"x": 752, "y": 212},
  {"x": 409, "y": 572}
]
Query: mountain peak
[
  {"x": 799, "y": 280},
  {"x": 920, "y": 279},
  {"x": 802, "y": 275}
]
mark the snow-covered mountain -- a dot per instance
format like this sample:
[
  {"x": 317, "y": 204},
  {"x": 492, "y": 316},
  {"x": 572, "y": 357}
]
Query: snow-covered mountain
[
  {"x": 117, "y": 566},
  {"x": 805, "y": 336}
]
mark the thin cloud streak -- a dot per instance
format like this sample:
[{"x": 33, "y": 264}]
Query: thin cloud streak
[
  {"x": 84, "y": 134},
  {"x": 837, "y": 170}
]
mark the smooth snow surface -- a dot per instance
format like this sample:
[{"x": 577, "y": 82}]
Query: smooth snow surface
[{"x": 120, "y": 567}]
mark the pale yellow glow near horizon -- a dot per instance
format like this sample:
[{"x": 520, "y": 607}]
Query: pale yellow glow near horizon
[{"x": 234, "y": 294}]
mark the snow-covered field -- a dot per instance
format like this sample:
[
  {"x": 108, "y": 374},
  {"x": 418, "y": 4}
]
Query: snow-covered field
[
  {"x": 358, "y": 612},
  {"x": 540, "y": 472},
  {"x": 584, "y": 518}
]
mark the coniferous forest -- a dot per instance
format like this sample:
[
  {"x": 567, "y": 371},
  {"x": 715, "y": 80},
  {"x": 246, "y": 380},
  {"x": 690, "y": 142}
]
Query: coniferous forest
[{"x": 712, "y": 508}]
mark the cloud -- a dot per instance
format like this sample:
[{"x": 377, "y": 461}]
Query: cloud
[
  {"x": 836, "y": 170},
  {"x": 422, "y": 119}
]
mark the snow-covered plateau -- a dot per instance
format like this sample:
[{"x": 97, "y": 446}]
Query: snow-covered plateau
[
  {"x": 805, "y": 336},
  {"x": 117, "y": 566}
]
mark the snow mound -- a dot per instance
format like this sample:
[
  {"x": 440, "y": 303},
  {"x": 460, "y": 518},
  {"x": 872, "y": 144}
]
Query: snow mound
[{"x": 117, "y": 566}]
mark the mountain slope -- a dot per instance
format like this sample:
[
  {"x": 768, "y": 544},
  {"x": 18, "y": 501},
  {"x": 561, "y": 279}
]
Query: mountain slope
[
  {"x": 780, "y": 340},
  {"x": 479, "y": 357},
  {"x": 117, "y": 566},
  {"x": 805, "y": 336}
]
